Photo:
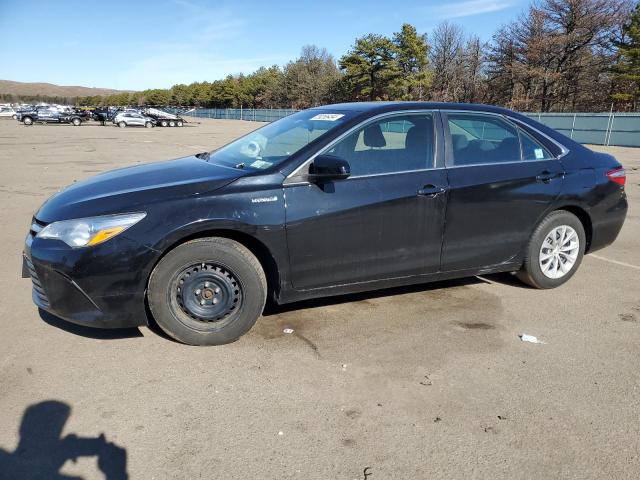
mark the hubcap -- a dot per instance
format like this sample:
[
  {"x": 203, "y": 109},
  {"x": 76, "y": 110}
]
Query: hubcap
[
  {"x": 208, "y": 292},
  {"x": 559, "y": 251}
]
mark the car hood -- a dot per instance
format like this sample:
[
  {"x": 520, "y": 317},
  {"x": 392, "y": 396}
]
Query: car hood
[{"x": 129, "y": 189}]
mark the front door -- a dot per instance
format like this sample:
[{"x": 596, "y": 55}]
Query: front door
[
  {"x": 501, "y": 181},
  {"x": 384, "y": 221}
]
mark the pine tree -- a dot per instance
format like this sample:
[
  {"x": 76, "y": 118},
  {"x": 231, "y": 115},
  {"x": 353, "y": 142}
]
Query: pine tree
[{"x": 627, "y": 70}]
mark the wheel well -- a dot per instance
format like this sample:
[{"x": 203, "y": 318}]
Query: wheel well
[
  {"x": 255, "y": 246},
  {"x": 585, "y": 219}
]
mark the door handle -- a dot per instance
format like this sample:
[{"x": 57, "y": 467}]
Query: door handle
[
  {"x": 431, "y": 191},
  {"x": 546, "y": 176}
]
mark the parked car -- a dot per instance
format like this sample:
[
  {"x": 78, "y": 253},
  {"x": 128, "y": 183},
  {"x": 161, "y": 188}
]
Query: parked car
[
  {"x": 377, "y": 195},
  {"x": 47, "y": 115},
  {"x": 133, "y": 119},
  {"x": 8, "y": 112}
]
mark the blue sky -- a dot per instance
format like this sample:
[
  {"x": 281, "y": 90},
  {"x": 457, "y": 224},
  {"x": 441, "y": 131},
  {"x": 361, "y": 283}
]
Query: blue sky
[{"x": 155, "y": 44}]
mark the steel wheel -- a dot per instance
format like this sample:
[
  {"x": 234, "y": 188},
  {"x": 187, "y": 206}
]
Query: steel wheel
[
  {"x": 208, "y": 294},
  {"x": 207, "y": 291},
  {"x": 559, "y": 252}
]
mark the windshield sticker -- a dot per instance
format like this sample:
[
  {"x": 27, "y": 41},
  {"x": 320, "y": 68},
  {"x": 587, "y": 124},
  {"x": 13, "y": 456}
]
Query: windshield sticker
[
  {"x": 330, "y": 117},
  {"x": 261, "y": 164},
  {"x": 539, "y": 153}
]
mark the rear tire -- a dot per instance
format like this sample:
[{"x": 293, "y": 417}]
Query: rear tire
[
  {"x": 163, "y": 123},
  {"x": 554, "y": 252},
  {"x": 148, "y": 125},
  {"x": 179, "y": 124},
  {"x": 172, "y": 123},
  {"x": 76, "y": 122},
  {"x": 207, "y": 291},
  {"x": 122, "y": 124},
  {"x": 27, "y": 121}
]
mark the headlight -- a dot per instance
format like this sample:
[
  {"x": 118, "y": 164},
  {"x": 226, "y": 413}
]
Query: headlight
[{"x": 85, "y": 232}]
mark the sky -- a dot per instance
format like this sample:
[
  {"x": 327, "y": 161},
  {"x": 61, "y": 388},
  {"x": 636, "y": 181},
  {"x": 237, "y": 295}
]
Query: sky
[{"x": 139, "y": 44}]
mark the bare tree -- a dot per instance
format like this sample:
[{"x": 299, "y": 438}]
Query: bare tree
[{"x": 446, "y": 57}]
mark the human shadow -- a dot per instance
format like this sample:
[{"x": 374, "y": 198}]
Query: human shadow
[
  {"x": 42, "y": 451},
  {"x": 89, "y": 332}
]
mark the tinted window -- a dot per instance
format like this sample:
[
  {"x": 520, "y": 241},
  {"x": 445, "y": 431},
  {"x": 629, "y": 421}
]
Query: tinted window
[
  {"x": 531, "y": 149},
  {"x": 478, "y": 139},
  {"x": 393, "y": 144}
]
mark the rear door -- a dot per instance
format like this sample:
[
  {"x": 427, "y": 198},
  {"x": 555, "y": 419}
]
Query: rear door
[
  {"x": 501, "y": 181},
  {"x": 385, "y": 220},
  {"x": 135, "y": 119}
]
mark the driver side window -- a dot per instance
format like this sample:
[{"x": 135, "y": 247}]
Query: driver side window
[{"x": 393, "y": 144}]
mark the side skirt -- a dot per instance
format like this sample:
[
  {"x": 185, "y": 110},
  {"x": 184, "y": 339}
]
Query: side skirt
[{"x": 289, "y": 295}]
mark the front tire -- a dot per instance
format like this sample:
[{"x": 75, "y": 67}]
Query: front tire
[
  {"x": 207, "y": 291},
  {"x": 76, "y": 122},
  {"x": 27, "y": 121},
  {"x": 122, "y": 124},
  {"x": 554, "y": 252},
  {"x": 148, "y": 125}
]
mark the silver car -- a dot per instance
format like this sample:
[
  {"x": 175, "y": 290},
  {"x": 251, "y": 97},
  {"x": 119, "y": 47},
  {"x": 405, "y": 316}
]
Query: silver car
[
  {"x": 6, "y": 112},
  {"x": 132, "y": 119}
]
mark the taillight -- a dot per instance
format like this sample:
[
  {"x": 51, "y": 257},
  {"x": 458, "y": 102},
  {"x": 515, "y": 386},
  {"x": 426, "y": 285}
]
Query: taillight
[{"x": 617, "y": 175}]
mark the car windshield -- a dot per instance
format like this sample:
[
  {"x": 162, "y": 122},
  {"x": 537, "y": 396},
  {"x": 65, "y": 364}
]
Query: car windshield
[{"x": 277, "y": 141}]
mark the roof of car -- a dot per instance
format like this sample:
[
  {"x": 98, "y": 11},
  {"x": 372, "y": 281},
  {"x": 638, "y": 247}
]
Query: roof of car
[{"x": 387, "y": 106}]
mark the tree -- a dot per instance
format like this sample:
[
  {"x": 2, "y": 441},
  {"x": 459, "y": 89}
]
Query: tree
[
  {"x": 626, "y": 71},
  {"x": 370, "y": 67},
  {"x": 308, "y": 80},
  {"x": 264, "y": 87},
  {"x": 446, "y": 58},
  {"x": 412, "y": 61}
]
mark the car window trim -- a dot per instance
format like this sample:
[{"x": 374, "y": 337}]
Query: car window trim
[
  {"x": 522, "y": 132},
  {"x": 434, "y": 161},
  {"x": 342, "y": 136},
  {"x": 525, "y": 126},
  {"x": 516, "y": 123}
]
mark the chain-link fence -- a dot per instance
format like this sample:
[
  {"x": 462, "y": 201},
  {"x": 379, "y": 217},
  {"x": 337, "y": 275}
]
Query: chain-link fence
[{"x": 620, "y": 129}]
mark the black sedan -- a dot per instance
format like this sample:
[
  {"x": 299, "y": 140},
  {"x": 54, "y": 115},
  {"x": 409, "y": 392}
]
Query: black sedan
[{"x": 332, "y": 200}]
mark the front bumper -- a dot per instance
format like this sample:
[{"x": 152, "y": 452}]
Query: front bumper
[{"x": 102, "y": 286}]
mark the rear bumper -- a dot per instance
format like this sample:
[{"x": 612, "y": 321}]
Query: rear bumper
[{"x": 607, "y": 221}]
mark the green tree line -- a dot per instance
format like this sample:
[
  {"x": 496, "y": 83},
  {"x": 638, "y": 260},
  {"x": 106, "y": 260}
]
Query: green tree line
[{"x": 558, "y": 55}]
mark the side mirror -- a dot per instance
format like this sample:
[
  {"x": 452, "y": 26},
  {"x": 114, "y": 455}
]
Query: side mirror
[{"x": 328, "y": 167}]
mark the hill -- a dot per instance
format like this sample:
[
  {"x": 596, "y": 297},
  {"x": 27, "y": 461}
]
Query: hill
[{"x": 23, "y": 89}]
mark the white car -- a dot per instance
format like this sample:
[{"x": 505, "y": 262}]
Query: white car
[
  {"x": 6, "y": 112},
  {"x": 133, "y": 119}
]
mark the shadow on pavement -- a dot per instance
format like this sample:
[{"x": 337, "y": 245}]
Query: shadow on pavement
[
  {"x": 273, "y": 309},
  {"x": 42, "y": 451},
  {"x": 88, "y": 332}
]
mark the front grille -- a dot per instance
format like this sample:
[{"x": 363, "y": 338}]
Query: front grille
[{"x": 37, "y": 286}]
